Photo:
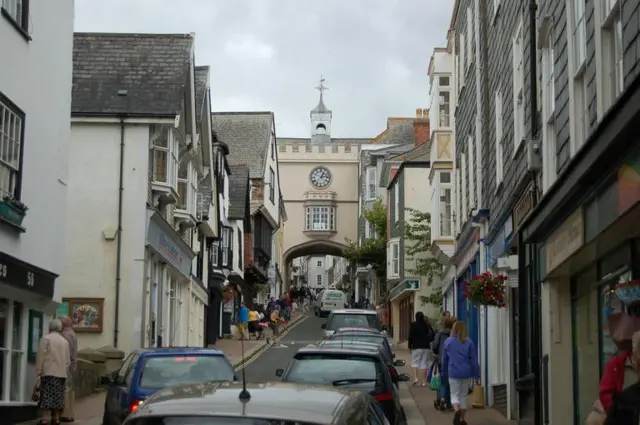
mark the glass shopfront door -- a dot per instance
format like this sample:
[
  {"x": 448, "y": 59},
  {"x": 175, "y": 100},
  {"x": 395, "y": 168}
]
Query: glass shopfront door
[{"x": 11, "y": 352}]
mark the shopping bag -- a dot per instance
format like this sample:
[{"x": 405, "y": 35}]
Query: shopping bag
[
  {"x": 435, "y": 383},
  {"x": 477, "y": 397},
  {"x": 69, "y": 404}
]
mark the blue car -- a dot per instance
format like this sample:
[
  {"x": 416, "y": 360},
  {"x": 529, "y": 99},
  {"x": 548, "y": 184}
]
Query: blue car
[{"x": 146, "y": 371}]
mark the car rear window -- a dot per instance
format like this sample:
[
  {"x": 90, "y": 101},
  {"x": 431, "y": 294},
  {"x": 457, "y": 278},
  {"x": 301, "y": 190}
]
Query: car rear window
[
  {"x": 337, "y": 321},
  {"x": 325, "y": 369},
  {"x": 333, "y": 295},
  {"x": 212, "y": 420},
  {"x": 164, "y": 371},
  {"x": 359, "y": 336}
]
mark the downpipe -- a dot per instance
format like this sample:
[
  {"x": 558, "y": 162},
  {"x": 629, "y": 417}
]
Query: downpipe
[{"x": 116, "y": 320}]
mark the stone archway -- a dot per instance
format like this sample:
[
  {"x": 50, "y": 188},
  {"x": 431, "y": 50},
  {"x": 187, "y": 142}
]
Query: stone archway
[{"x": 315, "y": 247}]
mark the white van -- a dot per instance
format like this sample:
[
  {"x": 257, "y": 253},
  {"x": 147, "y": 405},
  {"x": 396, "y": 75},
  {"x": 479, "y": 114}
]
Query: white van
[{"x": 328, "y": 300}]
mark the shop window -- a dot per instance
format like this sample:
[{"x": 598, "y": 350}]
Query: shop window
[{"x": 11, "y": 350}]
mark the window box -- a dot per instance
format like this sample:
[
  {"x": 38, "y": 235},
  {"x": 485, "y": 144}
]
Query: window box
[{"x": 13, "y": 211}]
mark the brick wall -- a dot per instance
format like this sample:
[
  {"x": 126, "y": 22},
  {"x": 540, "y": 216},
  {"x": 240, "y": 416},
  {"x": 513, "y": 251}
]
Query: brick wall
[
  {"x": 421, "y": 129},
  {"x": 248, "y": 249}
]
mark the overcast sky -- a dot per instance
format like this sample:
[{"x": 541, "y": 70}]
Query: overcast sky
[{"x": 269, "y": 54}]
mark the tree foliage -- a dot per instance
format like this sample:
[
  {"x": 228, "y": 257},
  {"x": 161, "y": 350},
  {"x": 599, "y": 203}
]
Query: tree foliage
[
  {"x": 417, "y": 235},
  {"x": 374, "y": 249}
]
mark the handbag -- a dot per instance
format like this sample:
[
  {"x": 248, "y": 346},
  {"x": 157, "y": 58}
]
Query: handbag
[
  {"x": 435, "y": 382},
  {"x": 35, "y": 394}
]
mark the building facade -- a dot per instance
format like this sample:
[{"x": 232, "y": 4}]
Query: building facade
[
  {"x": 581, "y": 240},
  {"x": 135, "y": 166},
  {"x": 34, "y": 144}
]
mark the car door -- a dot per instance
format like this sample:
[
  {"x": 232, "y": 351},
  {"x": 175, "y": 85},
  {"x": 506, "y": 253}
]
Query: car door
[
  {"x": 124, "y": 388},
  {"x": 112, "y": 399}
]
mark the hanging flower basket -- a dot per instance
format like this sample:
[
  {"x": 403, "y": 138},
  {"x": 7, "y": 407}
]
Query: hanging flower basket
[
  {"x": 487, "y": 290},
  {"x": 629, "y": 293}
]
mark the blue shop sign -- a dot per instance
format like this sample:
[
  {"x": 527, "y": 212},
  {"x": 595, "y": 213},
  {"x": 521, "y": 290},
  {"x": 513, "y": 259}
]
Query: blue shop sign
[{"x": 168, "y": 244}]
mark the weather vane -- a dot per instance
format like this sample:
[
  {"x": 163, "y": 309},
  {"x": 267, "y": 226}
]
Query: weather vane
[{"x": 321, "y": 88}]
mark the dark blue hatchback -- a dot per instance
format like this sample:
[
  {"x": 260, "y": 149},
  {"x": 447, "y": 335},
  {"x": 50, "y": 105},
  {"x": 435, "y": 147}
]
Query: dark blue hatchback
[{"x": 146, "y": 371}]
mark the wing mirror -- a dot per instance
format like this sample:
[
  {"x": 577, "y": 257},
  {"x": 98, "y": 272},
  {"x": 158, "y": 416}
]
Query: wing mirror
[
  {"x": 323, "y": 326},
  {"x": 399, "y": 363},
  {"x": 403, "y": 377},
  {"x": 279, "y": 372},
  {"x": 106, "y": 380},
  {"x": 384, "y": 328}
]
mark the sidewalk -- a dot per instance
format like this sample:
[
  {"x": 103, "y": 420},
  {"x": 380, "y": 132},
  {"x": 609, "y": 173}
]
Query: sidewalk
[
  {"x": 424, "y": 398},
  {"x": 89, "y": 409}
]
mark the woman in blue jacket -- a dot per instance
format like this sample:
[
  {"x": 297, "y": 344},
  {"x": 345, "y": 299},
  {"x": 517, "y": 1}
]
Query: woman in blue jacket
[{"x": 462, "y": 367}]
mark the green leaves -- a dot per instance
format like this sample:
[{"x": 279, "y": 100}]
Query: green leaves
[
  {"x": 417, "y": 235},
  {"x": 374, "y": 249}
]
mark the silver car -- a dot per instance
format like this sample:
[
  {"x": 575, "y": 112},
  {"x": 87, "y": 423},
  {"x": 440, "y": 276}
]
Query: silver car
[{"x": 351, "y": 318}]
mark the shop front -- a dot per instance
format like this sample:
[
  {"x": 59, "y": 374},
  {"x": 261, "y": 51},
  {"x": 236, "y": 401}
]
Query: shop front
[
  {"x": 169, "y": 261},
  {"x": 402, "y": 300},
  {"x": 582, "y": 249},
  {"x": 467, "y": 266},
  {"x": 26, "y": 303}
]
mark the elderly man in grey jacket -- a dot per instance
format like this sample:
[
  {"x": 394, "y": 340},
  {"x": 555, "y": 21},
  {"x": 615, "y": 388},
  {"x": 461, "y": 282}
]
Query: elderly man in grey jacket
[{"x": 69, "y": 334}]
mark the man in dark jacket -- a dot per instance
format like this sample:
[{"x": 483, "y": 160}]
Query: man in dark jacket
[
  {"x": 421, "y": 335},
  {"x": 625, "y": 409}
]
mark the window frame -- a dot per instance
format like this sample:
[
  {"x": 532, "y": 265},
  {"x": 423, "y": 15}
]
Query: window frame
[
  {"x": 462, "y": 65},
  {"x": 319, "y": 263},
  {"x": 612, "y": 60},
  {"x": 183, "y": 188},
  {"x": 499, "y": 135},
  {"x": 471, "y": 175},
  {"x": 371, "y": 176},
  {"x": 14, "y": 188},
  {"x": 20, "y": 22},
  {"x": 549, "y": 154},
  {"x": 396, "y": 202},
  {"x": 310, "y": 212},
  {"x": 172, "y": 163},
  {"x": 577, "y": 11},
  {"x": 444, "y": 107},
  {"x": 214, "y": 254},
  {"x": 319, "y": 280},
  {"x": 226, "y": 246},
  {"x": 395, "y": 259},
  {"x": 446, "y": 217},
  {"x": 469, "y": 39},
  {"x": 518, "y": 89},
  {"x": 272, "y": 185}
]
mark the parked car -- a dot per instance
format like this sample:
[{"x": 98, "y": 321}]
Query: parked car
[
  {"x": 352, "y": 318},
  {"x": 268, "y": 404},
  {"x": 348, "y": 367},
  {"x": 378, "y": 346},
  {"x": 327, "y": 301},
  {"x": 146, "y": 371}
]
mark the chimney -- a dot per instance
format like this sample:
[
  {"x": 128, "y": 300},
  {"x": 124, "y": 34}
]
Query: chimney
[{"x": 421, "y": 127}]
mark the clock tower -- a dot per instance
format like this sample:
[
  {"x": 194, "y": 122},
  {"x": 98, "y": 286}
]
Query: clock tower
[{"x": 321, "y": 118}]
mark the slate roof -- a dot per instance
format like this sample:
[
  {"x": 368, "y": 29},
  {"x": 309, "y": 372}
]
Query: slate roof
[
  {"x": 202, "y": 84},
  {"x": 421, "y": 153},
  {"x": 398, "y": 131},
  {"x": 247, "y": 134},
  {"x": 238, "y": 188},
  {"x": 153, "y": 68}
]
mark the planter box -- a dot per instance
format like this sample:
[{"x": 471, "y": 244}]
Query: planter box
[{"x": 11, "y": 214}]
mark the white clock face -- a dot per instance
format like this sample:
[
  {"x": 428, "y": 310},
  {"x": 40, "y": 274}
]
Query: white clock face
[{"x": 320, "y": 177}]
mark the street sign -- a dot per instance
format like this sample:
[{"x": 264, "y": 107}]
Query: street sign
[
  {"x": 409, "y": 284},
  {"x": 412, "y": 284}
]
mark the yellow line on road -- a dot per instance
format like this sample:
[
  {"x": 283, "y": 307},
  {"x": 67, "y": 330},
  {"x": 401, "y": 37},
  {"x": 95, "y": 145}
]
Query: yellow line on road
[{"x": 265, "y": 347}]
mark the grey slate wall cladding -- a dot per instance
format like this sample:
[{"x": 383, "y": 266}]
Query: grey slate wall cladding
[
  {"x": 465, "y": 113},
  {"x": 630, "y": 39},
  {"x": 500, "y": 32}
]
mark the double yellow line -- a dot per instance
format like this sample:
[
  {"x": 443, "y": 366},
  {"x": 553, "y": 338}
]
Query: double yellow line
[{"x": 254, "y": 356}]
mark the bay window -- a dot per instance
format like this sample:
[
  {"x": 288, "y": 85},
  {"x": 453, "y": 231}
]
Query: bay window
[
  {"x": 320, "y": 218},
  {"x": 395, "y": 259},
  {"x": 444, "y": 108},
  {"x": 165, "y": 157},
  {"x": 445, "y": 212},
  {"x": 183, "y": 187}
]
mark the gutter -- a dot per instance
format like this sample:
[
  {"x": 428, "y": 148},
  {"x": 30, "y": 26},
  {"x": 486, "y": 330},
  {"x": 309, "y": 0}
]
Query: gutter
[{"x": 116, "y": 322}]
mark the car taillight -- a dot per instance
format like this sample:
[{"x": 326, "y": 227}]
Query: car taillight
[
  {"x": 383, "y": 397},
  {"x": 134, "y": 406},
  {"x": 393, "y": 372}
]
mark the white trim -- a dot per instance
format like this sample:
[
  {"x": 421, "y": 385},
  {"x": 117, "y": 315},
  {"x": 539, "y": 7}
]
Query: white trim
[
  {"x": 518, "y": 88},
  {"x": 499, "y": 136},
  {"x": 116, "y": 120}
]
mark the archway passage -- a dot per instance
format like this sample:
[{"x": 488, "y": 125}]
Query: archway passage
[{"x": 316, "y": 247}]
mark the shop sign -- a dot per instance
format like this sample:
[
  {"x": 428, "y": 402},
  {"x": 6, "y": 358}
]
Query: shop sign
[
  {"x": 566, "y": 240},
  {"x": 21, "y": 275},
  {"x": 409, "y": 284},
  {"x": 170, "y": 247},
  {"x": 523, "y": 207}
]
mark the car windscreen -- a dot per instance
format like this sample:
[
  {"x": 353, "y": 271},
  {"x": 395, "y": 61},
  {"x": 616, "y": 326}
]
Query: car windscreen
[
  {"x": 334, "y": 369},
  {"x": 164, "y": 371},
  {"x": 353, "y": 320},
  {"x": 212, "y": 420}
]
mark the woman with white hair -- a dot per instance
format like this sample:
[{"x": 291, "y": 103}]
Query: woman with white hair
[{"x": 52, "y": 367}]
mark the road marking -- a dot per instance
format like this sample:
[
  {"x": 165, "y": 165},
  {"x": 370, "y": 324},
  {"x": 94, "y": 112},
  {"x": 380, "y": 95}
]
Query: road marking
[
  {"x": 280, "y": 346},
  {"x": 265, "y": 347}
]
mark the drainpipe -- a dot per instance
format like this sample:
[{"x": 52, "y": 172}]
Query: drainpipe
[
  {"x": 480, "y": 88},
  {"x": 116, "y": 321}
]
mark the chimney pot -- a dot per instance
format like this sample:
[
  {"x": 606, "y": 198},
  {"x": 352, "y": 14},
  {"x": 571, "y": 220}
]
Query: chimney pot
[{"x": 418, "y": 113}]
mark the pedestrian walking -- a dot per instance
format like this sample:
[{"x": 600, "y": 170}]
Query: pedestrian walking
[
  {"x": 421, "y": 335},
  {"x": 463, "y": 369},
  {"x": 52, "y": 369},
  {"x": 68, "y": 413},
  {"x": 243, "y": 320},
  {"x": 437, "y": 346},
  {"x": 274, "y": 324},
  {"x": 294, "y": 309}
]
